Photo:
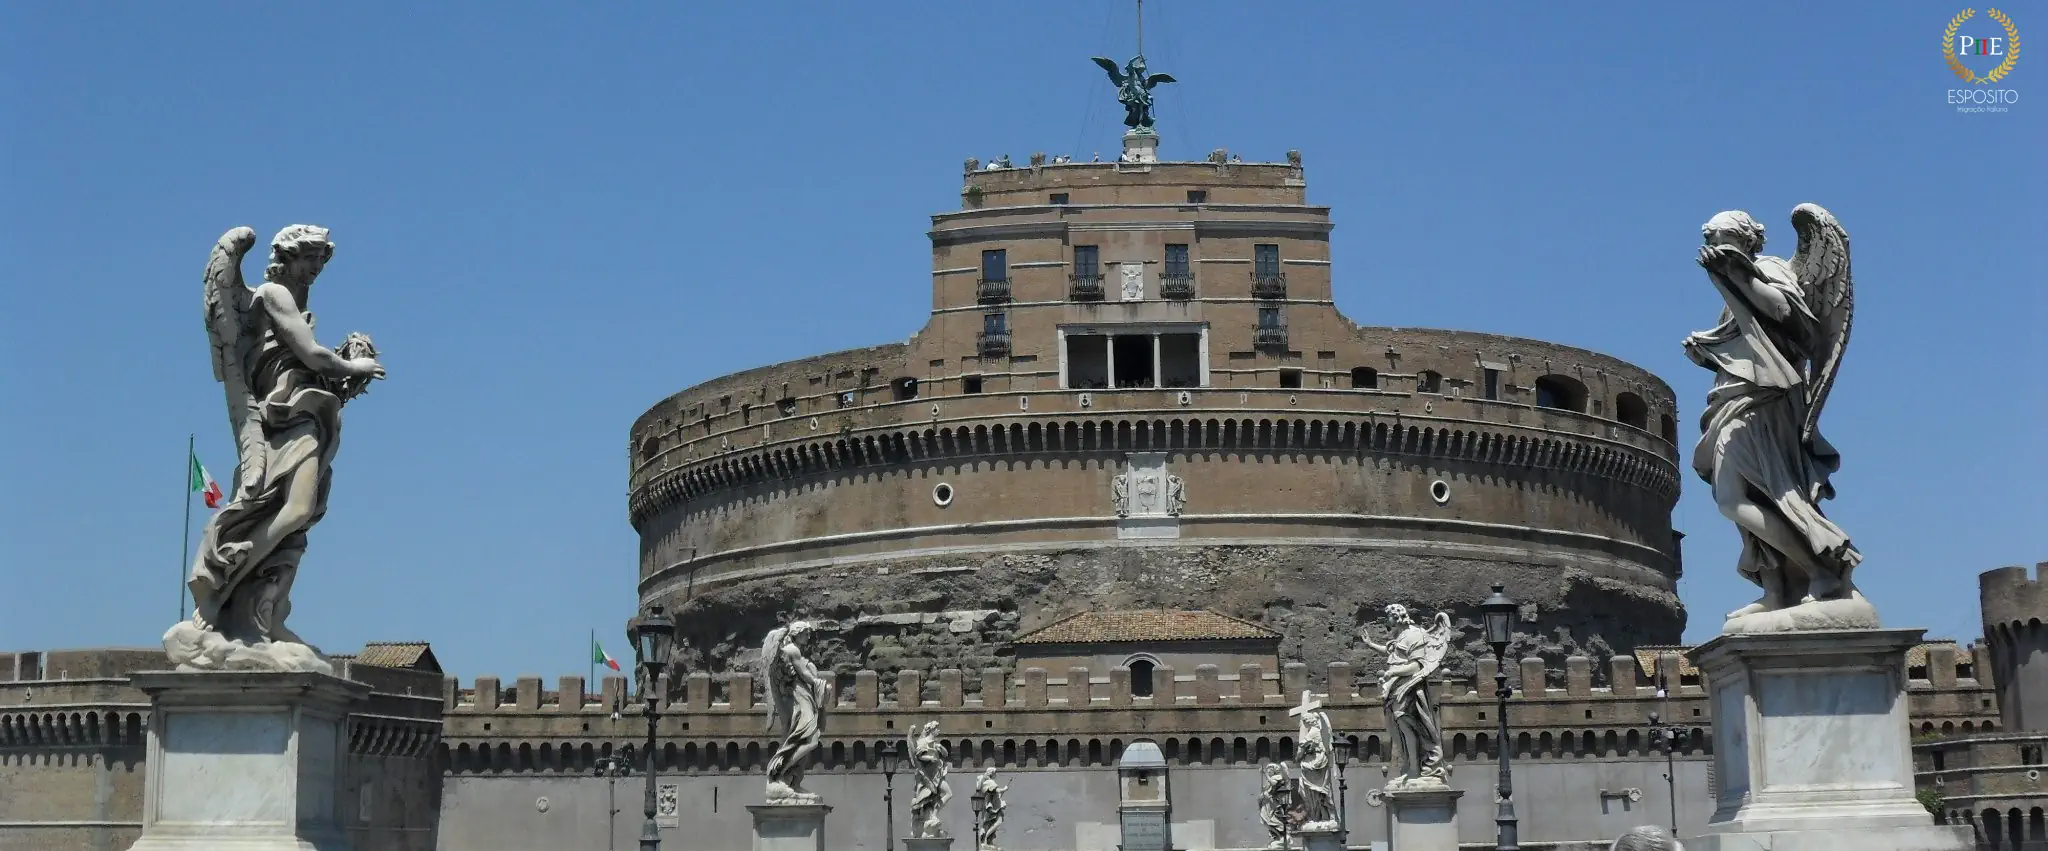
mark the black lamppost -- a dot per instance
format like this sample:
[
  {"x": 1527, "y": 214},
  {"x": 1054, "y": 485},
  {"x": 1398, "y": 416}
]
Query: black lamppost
[
  {"x": 889, "y": 757},
  {"x": 651, "y": 635},
  {"x": 976, "y": 803},
  {"x": 611, "y": 768},
  {"x": 1343, "y": 747},
  {"x": 1500, "y": 612},
  {"x": 1670, "y": 736}
]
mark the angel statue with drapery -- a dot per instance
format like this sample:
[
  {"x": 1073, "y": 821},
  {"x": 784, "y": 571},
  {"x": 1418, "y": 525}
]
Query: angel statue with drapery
[
  {"x": 1414, "y": 654},
  {"x": 1134, "y": 90},
  {"x": 797, "y": 696},
  {"x": 993, "y": 808},
  {"x": 1775, "y": 355},
  {"x": 930, "y": 762},
  {"x": 284, "y": 395}
]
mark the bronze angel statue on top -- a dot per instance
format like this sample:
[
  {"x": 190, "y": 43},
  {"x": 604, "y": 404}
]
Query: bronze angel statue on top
[
  {"x": 1775, "y": 355},
  {"x": 284, "y": 395},
  {"x": 1134, "y": 90}
]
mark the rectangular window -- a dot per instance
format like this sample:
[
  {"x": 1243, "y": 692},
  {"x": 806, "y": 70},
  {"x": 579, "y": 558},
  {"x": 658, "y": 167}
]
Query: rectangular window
[
  {"x": 1493, "y": 384},
  {"x": 1940, "y": 760},
  {"x": 1177, "y": 261},
  {"x": 994, "y": 323},
  {"x": 1290, "y": 378},
  {"x": 995, "y": 265},
  {"x": 1087, "y": 361},
  {"x": 1059, "y": 198},
  {"x": 970, "y": 384},
  {"x": 1269, "y": 317},
  {"x": 1085, "y": 261},
  {"x": 1265, "y": 260},
  {"x": 1198, "y": 196}
]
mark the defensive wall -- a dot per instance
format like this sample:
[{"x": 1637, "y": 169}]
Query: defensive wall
[{"x": 1993, "y": 779}]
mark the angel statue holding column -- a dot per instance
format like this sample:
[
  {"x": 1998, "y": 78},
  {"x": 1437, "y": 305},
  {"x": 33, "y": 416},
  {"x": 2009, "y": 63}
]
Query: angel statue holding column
[
  {"x": 284, "y": 397},
  {"x": 1775, "y": 355}
]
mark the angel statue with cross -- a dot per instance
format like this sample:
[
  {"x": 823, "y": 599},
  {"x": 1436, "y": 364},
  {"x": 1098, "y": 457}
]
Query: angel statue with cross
[{"x": 1314, "y": 749}]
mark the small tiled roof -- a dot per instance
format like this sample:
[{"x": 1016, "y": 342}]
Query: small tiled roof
[
  {"x": 1145, "y": 625},
  {"x": 399, "y": 654},
  {"x": 1916, "y": 656},
  {"x": 1646, "y": 659}
]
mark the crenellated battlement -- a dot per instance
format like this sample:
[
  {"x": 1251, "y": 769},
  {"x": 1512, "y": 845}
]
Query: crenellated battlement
[
  {"x": 2012, "y": 598},
  {"x": 1085, "y": 716},
  {"x": 2014, "y": 606}
]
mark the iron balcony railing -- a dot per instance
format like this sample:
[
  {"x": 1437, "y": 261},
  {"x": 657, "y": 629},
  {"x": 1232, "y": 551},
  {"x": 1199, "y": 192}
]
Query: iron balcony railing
[
  {"x": 1084, "y": 287},
  {"x": 992, "y": 290},
  {"x": 1177, "y": 286},
  {"x": 1270, "y": 337},
  {"x": 994, "y": 343},
  {"x": 1269, "y": 285}
]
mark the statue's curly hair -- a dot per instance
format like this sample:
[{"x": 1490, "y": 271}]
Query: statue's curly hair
[
  {"x": 1737, "y": 222},
  {"x": 293, "y": 242}
]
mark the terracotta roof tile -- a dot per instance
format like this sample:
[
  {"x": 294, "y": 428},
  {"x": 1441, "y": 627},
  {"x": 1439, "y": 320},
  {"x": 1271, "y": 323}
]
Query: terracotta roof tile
[
  {"x": 397, "y": 654},
  {"x": 1145, "y": 625}
]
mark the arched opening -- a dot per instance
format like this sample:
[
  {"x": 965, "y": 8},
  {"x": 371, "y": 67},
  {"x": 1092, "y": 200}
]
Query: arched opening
[
  {"x": 1667, "y": 427},
  {"x": 1429, "y": 381},
  {"x": 1562, "y": 392},
  {"x": 1631, "y": 410},
  {"x": 905, "y": 389},
  {"x": 1141, "y": 677},
  {"x": 1365, "y": 378}
]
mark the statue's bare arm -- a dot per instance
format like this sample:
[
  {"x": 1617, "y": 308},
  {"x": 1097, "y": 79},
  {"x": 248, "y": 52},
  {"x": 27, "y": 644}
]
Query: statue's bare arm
[
  {"x": 289, "y": 323},
  {"x": 1745, "y": 281}
]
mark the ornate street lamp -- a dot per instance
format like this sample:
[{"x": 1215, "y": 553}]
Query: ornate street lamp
[
  {"x": 1343, "y": 747},
  {"x": 652, "y": 633},
  {"x": 1499, "y": 611},
  {"x": 611, "y": 768},
  {"x": 889, "y": 757}
]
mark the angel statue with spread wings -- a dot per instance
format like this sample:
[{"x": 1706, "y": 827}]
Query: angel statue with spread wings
[
  {"x": 1414, "y": 655},
  {"x": 284, "y": 395},
  {"x": 1134, "y": 89},
  {"x": 796, "y": 701},
  {"x": 1775, "y": 355}
]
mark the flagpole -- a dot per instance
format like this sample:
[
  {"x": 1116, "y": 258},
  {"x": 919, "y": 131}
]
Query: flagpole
[
  {"x": 593, "y": 658},
  {"x": 185, "y": 550}
]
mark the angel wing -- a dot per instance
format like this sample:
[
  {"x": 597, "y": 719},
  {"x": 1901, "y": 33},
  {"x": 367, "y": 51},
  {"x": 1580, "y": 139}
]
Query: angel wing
[
  {"x": 1116, "y": 73},
  {"x": 1432, "y": 656},
  {"x": 775, "y": 674},
  {"x": 1822, "y": 265},
  {"x": 229, "y": 302},
  {"x": 1156, "y": 79}
]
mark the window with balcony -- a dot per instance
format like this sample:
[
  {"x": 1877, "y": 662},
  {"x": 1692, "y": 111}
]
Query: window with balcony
[
  {"x": 1177, "y": 279},
  {"x": 1272, "y": 329},
  {"x": 994, "y": 285},
  {"x": 1085, "y": 284},
  {"x": 995, "y": 335},
  {"x": 1267, "y": 279}
]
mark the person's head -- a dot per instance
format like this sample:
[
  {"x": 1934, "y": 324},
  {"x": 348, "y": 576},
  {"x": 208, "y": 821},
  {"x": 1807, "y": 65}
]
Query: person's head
[
  {"x": 1648, "y": 837},
  {"x": 297, "y": 254},
  {"x": 1734, "y": 228}
]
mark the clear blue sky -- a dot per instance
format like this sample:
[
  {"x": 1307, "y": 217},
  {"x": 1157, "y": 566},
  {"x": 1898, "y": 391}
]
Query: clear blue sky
[{"x": 552, "y": 216}]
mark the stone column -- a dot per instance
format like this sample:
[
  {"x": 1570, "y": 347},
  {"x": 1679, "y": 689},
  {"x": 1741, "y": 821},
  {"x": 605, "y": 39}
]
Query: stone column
[
  {"x": 253, "y": 760},
  {"x": 789, "y": 827},
  {"x": 1810, "y": 744},
  {"x": 1425, "y": 818}
]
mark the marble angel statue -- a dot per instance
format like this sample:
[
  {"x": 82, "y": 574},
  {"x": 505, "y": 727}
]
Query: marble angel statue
[
  {"x": 1775, "y": 355},
  {"x": 929, "y": 763},
  {"x": 1276, "y": 802},
  {"x": 284, "y": 396},
  {"x": 1314, "y": 750},
  {"x": 1414, "y": 654},
  {"x": 797, "y": 697},
  {"x": 993, "y": 808}
]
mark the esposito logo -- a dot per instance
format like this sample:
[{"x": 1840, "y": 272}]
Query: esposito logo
[{"x": 1981, "y": 56}]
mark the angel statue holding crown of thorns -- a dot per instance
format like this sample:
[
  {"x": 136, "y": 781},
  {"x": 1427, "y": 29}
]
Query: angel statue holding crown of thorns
[
  {"x": 284, "y": 395},
  {"x": 1775, "y": 355}
]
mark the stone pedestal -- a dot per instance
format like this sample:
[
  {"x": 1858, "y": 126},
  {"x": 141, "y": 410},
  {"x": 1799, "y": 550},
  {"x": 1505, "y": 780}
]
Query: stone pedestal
[
  {"x": 1424, "y": 819},
  {"x": 250, "y": 761},
  {"x": 928, "y": 843},
  {"x": 1141, "y": 146},
  {"x": 1319, "y": 840},
  {"x": 789, "y": 827},
  {"x": 1810, "y": 745}
]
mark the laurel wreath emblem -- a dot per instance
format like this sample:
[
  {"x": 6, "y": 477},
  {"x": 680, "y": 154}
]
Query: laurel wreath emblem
[{"x": 1955, "y": 65}]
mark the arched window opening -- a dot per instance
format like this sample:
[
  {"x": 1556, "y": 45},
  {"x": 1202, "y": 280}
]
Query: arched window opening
[
  {"x": 1562, "y": 392},
  {"x": 1667, "y": 427},
  {"x": 1141, "y": 677},
  {"x": 1365, "y": 378},
  {"x": 1631, "y": 410}
]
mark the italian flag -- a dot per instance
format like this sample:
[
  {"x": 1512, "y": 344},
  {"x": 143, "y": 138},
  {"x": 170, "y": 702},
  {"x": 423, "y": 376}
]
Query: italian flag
[
  {"x": 203, "y": 483},
  {"x": 599, "y": 657}
]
